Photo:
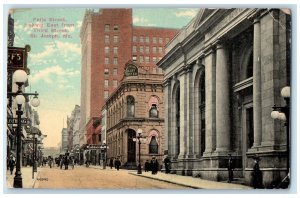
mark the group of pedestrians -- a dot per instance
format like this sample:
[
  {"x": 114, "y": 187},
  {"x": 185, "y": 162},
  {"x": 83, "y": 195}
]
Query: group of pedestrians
[
  {"x": 152, "y": 166},
  {"x": 116, "y": 162}
]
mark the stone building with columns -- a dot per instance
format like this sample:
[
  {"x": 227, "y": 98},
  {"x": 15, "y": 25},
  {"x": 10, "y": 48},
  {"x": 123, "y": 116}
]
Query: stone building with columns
[
  {"x": 137, "y": 103},
  {"x": 223, "y": 74}
]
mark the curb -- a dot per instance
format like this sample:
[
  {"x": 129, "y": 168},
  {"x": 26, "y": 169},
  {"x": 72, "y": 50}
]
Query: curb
[
  {"x": 164, "y": 180},
  {"x": 37, "y": 174}
]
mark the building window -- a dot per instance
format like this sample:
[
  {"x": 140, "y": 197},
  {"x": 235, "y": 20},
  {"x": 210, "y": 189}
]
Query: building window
[
  {"x": 147, "y": 39},
  {"x": 147, "y": 59},
  {"x": 116, "y": 27},
  {"x": 105, "y": 94},
  {"x": 154, "y": 59},
  {"x": 115, "y": 83},
  {"x": 116, "y": 39},
  {"x": 160, "y": 50},
  {"x": 153, "y": 49},
  {"x": 134, "y": 38},
  {"x": 160, "y": 40},
  {"x": 167, "y": 40},
  {"x": 153, "y": 112},
  {"x": 115, "y": 61},
  {"x": 134, "y": 49},
  {"x": 142, "y": 49},
  {"x": 115, "y": 71},
  {"x": 153, "y": 146},
  {"x": 141, "y": 39},
  {"x": 106, "y": 29},
  {"x": 134, "y": 58},
  {"x": 154, "y": 39},
  {"x": 106, "y": 50},
  {"x": 115, "y": 50},
  {"x": 141, "y": 59},
  {"x": 147, "y": 49},
  {"x": 130, "y": 106},
  {"x": 106, "y": 38},
  {"x": 106, "y": 71},
  {"x": 105, "y": 83},
  {"x": 106, "y": 60}
]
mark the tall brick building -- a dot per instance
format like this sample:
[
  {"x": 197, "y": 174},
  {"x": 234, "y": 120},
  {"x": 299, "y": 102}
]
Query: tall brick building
[{"x": 109, "y": 40}]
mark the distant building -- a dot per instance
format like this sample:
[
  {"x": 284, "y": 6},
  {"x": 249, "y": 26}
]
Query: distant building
[
  {"x": 51, "y": 151},
  {"x": 64, "y": 140},
  {"x": 223, "y": 74},
  {"x": 73, "y": 129},
  {"x": 137, "y": 103},
  {"x": 109, "y": 40}
]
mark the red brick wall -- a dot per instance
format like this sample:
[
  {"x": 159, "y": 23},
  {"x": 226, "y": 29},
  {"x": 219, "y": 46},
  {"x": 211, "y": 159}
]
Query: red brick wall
[{"x": 151, "y": 32}]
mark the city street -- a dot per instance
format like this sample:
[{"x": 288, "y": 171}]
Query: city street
[{"x": 95, "y": 178}]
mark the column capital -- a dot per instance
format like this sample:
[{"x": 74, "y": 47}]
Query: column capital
[
  {"x": 209, "y": 50},
  {"x": 256, "y": 20}
]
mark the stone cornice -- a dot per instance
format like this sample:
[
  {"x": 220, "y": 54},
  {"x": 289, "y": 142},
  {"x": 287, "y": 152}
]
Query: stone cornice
[{"x": 134, "y": 121}]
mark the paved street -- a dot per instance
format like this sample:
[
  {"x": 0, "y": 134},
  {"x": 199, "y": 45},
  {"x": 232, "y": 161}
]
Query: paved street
[{"x": 96, "y": 178}]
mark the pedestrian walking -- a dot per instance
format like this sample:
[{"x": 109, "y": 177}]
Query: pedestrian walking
[
  {"x": 167, "y": 163},
  {"x": 154, "y": 165},
  {"x": 117, "y": 163},
  {"x": 230, "y": 169},
  {"x": 61, "y": 163},
  {"x": 50, "y": 161},
  {"x": 256, "y": 174},
  {"x": 147, "y": 166},
  {"x": 87, "y": 163},
  {"x": 72, "y": 162},
  {"x": 11, "y": 164},
  {"x": 111, "y": 162},
  {"x": 66, "y": 161}
]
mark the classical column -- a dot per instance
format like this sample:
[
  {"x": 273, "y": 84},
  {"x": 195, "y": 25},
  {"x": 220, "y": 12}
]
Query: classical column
[
  {"x": 210, "y": 102},
  {"x": 167, "y": 132},
  {"x": 173, "y": 125},
  {"x": 183, "y": 113},
  {"x": 189, "y": 112},
  {"x": 222, "y": 99},
  {"x": 257, "y": 85}
]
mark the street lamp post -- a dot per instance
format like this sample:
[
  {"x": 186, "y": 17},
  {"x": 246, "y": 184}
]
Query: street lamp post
[
  {"x": 139, "y": 168},
  {"x": 283, "y": 114},
  {"x": 20, "y": 77},
  {"x": 104, "y": 148}
]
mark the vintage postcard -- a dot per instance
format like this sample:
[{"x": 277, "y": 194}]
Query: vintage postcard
[{"x": 148, "y": 98}]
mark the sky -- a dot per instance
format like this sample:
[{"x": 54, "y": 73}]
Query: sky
[{"x": 55, "y": 63}]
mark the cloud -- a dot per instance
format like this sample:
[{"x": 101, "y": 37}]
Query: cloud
[
  {"x": 53, "y": 74},
  {"x": 189, "y": 13},
  {"x": 70, "y": 51},
  {"x": 78, "y": 24},
  {"x": 142, "y": 21}
]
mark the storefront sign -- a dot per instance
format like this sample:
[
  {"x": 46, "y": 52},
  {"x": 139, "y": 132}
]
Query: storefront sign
[{"x": 16, "y": 58}]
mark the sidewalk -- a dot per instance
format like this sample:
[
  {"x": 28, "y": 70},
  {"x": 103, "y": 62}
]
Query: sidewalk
[
  {"x": 190, "y": 181},
  {"x": 187, "y": 181},
  {"x": 27, "y": 180}
]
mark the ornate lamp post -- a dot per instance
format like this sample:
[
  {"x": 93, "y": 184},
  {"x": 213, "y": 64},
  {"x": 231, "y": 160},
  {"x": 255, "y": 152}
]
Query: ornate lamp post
[
  {"x": 139, "y": 167},
  {"x": 283, "y": 114},
  {"x": 104, "y": 148},
  {"x": 20, "y": 77}
]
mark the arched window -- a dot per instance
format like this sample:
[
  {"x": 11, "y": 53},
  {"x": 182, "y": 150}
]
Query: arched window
[
  {"x": 130, "y": 107},
  {"x": 153, "y": 146},
  {"x": 153, "y": 107},
  {"x": 153, "y": 113}
]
